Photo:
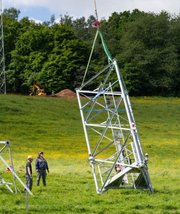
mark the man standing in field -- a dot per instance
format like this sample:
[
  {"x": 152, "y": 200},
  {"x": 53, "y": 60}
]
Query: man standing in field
[
  {"x": 41, "y": 168},
  {"x": 29, "y": 179}
]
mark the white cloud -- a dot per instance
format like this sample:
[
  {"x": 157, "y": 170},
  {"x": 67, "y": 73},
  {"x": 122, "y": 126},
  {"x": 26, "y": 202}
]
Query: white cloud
[
  {"x": 79, "y": 8},
  {"x": 35, "y": 20}
]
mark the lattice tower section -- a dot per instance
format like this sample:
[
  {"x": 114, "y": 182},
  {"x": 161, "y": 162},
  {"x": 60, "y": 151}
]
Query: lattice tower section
[{"x": 2, "y": 58}]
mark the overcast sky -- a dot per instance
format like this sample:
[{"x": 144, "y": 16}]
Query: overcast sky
[{"x": 43, "y": 9}]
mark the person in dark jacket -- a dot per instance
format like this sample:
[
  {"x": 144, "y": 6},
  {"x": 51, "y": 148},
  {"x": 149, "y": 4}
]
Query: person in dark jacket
[
  {"x": 41, "y": 166},
  {"x": 29, "y": 180}
]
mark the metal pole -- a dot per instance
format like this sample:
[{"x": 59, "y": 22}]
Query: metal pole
[
  {"x": 2, "y": 58},
  {"x": 27, "y": 201},
  {"x": 12, "y": 164}
]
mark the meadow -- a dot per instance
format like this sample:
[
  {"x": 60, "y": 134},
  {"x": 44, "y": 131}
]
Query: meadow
[{"x": 53, "y": 125}]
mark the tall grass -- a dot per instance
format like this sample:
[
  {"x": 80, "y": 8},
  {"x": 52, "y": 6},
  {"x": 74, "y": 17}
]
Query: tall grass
[{"x": 53, "y": 125}]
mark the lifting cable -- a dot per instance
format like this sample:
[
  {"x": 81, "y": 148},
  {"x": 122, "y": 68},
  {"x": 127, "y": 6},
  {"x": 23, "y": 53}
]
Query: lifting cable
[{"x": 96, "y": 24}]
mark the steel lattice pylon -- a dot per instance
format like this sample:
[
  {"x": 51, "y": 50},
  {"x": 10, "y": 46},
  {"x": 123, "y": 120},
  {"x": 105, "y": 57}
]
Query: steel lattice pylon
[
  {"x": 2, "y": 59},
  {"x": 113, "y": 144},
  {"x": 6, "y": 145}
]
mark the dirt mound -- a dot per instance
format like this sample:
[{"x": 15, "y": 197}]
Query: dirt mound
[{"x": 66, "y": 93}]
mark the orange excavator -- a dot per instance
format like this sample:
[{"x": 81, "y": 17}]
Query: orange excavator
[{"x": 36, "y": 90}]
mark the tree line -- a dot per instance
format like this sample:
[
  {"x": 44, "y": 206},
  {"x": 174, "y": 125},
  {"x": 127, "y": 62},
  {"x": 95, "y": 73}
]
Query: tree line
[{"x": 54, "y": 55}]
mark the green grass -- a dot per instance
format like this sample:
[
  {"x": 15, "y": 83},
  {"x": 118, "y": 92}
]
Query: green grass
[{"x": 53, "y": 125}]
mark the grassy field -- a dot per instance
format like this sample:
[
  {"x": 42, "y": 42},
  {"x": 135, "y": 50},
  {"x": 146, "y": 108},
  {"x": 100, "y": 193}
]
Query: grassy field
[{"x": 53, "y": 125}]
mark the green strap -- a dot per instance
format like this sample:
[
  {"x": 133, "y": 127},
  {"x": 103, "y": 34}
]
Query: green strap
[{"x": 105, "y": 47}]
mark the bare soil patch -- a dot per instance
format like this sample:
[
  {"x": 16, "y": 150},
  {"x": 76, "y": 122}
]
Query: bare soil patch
[{"x": 66, "y": 93}]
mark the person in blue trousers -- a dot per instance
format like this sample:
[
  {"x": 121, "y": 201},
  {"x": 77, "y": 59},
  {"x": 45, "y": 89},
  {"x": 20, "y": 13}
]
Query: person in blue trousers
[
  {"x": 42, "y": 168},
  {"x": 29, "y": 179}
]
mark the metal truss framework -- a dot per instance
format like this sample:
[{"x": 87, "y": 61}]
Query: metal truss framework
[
  {"x": 111, "y": 133},
  {"x": 10, "y": 167},
  {"x": 2, "y": 58}
]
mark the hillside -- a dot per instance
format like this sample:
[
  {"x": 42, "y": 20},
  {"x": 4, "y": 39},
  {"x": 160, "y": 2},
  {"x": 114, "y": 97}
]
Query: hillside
[{"x": 53, "y": 125}]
